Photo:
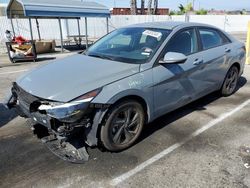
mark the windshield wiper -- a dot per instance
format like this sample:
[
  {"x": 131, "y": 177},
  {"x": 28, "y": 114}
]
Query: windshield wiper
[{"x": 100, "y": 56}]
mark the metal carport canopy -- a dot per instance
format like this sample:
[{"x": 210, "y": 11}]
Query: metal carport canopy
[{"x": 55, "y": 9}]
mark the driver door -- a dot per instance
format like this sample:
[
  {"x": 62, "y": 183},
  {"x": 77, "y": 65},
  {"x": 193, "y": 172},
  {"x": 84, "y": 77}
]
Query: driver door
[{"x": 174, "y": 85}]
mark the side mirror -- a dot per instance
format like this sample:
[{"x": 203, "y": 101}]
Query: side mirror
[{"x": 173, "y": 57}]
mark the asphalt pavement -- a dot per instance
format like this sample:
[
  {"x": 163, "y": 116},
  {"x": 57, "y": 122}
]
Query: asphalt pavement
[{"x": 200, "y": 145}]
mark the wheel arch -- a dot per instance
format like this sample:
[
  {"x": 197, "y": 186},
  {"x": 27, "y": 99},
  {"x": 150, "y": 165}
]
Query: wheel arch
[
  {"x": 237, "y": 64},
  {"x": 103, "y": 128},
  {"x": 92, "y": 135},
  {"x": 139, "y": 99}
]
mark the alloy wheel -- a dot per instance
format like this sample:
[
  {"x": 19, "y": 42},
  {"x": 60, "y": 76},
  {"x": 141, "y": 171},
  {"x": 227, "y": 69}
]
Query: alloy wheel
[
  {"x": 125, "y": 125},
  {"x": 231, "y": 80}
]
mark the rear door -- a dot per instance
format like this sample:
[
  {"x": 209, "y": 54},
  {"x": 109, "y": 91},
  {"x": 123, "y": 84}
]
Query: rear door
[{"x": 216, "y": 51}]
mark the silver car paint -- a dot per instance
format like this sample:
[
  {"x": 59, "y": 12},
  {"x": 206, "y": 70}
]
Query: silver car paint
[
  {"x": 163, "y": 87},
  {"x": 74, "y": 76},
  {"x": 179, "y": 83}
]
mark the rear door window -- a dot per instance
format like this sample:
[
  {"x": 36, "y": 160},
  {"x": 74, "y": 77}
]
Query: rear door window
[{"x": 210, "y": 38}]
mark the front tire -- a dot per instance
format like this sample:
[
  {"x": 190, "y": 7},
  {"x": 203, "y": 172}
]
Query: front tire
[
  {"x": 122, "y": 125},
  {"x": 230, "y": 83}
]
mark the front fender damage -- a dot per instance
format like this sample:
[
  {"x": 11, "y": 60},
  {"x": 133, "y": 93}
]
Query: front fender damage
[
  {"x": 91, "y": 132},
  {"x": 74, "y": 147},
  {"x": 75, "y": 150}
]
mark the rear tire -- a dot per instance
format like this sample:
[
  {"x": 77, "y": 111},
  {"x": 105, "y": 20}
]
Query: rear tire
[
  {"x": 122, "y": 125},
  {"x": 230, "y": 82}
]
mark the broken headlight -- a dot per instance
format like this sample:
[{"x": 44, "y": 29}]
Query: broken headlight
[{"x": 69, "y": 112}]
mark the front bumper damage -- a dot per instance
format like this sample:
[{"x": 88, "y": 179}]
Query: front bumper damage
[
  {"x": 66, "y": 150},
  {"x": 66, "y": 140}
]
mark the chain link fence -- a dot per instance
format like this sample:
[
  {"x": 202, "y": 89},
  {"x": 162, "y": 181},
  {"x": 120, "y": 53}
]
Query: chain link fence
[{"x": 96, "y": 26}]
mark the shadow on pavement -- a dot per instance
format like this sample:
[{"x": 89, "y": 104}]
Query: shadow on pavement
[
  {"x": 45, "y": 59},
  {"x": 241, "y": 83},
  {"x": 198, "y": 105},
  {"x": 6, "y": 115}
]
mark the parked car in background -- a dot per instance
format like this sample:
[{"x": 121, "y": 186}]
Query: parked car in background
[{"x": 128, "y": 78}]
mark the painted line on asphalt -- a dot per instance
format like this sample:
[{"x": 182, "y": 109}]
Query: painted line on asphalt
[
  {"x": 12, "y": 72},
  {"x": 167, "y": 151}
]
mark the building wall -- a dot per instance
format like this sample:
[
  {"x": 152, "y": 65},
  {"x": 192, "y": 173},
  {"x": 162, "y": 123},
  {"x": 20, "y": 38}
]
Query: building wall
[{"x": 127, "y": 11}]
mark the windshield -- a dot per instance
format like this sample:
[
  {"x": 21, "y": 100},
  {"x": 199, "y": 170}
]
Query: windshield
[{"x": 130, "y": 45}]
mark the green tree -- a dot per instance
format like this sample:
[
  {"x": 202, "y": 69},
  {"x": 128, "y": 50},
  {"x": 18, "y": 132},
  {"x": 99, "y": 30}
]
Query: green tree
[
  {"x": 181, "y": 8},
  {"x": 201, "y": 12},
  {"x": 189, "y": 7},
  {"x": 243, "y": 12},
  {"x": 185, "y": 9}
]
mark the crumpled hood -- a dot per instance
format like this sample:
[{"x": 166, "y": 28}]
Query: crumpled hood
[{"x": 66, "y": 79}]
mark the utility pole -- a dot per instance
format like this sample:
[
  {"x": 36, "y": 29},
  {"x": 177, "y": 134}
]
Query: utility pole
[
  {"x": 142, "y": 7},
  {"x": 155, "y": 6}
]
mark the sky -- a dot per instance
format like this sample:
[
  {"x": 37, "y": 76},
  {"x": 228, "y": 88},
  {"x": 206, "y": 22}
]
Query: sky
[{"x": 173, "y": 4}]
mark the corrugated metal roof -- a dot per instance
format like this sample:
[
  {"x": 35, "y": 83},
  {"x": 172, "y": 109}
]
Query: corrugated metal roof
[{"x": 56, "y": 8}]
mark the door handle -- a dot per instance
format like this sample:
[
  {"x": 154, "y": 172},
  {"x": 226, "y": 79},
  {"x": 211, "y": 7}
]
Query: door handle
[
  {"x": 227, "y": 50},
  {"x": 197, "y": 62}
]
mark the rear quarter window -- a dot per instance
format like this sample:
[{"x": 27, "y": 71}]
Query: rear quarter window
[{"x": 226, "y": 40}]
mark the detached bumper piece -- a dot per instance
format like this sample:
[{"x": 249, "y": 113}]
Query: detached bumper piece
[{"x": 66, "y": 150}]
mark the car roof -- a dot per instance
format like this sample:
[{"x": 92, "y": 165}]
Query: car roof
[{"x": 168, "y": 24}]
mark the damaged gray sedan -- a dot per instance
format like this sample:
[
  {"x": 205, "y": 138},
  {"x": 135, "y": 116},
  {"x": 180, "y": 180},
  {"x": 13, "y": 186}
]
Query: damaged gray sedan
[{"x": 128, "y": 78}]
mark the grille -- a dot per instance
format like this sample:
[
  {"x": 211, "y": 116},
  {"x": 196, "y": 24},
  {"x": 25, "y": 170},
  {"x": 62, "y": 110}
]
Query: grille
[{"x": 25, "y": 98}]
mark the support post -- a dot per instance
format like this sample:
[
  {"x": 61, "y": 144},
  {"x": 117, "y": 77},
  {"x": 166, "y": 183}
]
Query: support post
[
  {"x": 86, "y": 32},
  {"x": 61, "y": 35},
  {"x": 248, "y": 45},
  {"x": 31, "y": 32},
  {"x": 107, "y": 22},
  {"x": 187, "y": 17},
  {"x": 38, "y": 30},
  {"x": 12, "y": 26},
  {"x": 79, "y": 31}
]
